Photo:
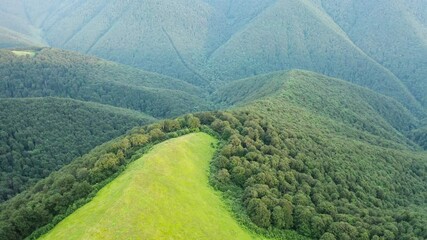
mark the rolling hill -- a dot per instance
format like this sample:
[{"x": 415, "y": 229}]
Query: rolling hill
[
  {"x": 10, "y": 39},
  {"x": 40, "y": 135},
  {"x": 292, "y": 160},
  {"x": 52, "y": 72},
  {"x": 338, "y": 139},
  {"x": 365, "y": 111}
]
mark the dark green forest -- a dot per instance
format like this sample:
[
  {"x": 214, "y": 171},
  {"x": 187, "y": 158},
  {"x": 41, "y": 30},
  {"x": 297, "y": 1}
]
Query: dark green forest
[
  {"x": 40, "y": 135},
  {"x": 310, "y": 182}
]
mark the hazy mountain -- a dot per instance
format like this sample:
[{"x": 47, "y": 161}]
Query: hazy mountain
[
  {"x": 378, "y": 45},
  {"x": 394, "y": 33},
  {"x": 16, "y": 30}
]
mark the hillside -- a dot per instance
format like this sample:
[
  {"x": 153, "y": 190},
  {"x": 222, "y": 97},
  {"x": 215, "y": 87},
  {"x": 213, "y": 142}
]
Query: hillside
[
  {"x": 10, "y": 39},
  {"x": 402, "y": 53},
  {"x": 290, "y": 161},
  {"x": 207, "y": 42},
  {"x": 40, "y": 135},
  {"x": 301, "y": 36},
  {"x": 52, "y": 72},
  {"x": 16, "y": 30},
  {"x": 419, "y": 135},
  {"x": 357, "y": 110},
  {"x": 155, "y": 184},
  {"x": 336, "y": 151}
]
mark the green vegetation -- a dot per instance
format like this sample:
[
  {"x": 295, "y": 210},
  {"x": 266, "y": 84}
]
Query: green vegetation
[
  {"x": 249, "y": 89},
  {"x": 53, "y": 198},
  {"x": 24, "y": 53},
  {"x": 295, "y": 177},
  {"x": 367, "y": 112},
  {"x": 12, "y": 39},
  {"x": 16, "y": 30},
  {"x": 332, "y": 154},
  {"x": 289, "y": 170},
  {"x": 151, "y": 199},
  {"x": 40, "y": 135},
  {"x": 207, "y": 42},
  {"x": 64, "y": 74},
  {"x": 300, "y": 154},
  {"x": 419, "y": 135}
]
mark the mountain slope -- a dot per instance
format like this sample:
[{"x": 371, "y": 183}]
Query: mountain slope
[
  {"x": 11, "y": 39},
  {"x": 128, "y": 32},
  {"x": 301, "y": 151},
  {"x": 282, "y": 167},
  {"x": 419, "y": 135},
  {"x": 60, "y": 73},
  {"x": 349, "y": 105},
  {"x": 335, "y": 182},
  {"x": 204, "y": 42},
  {"x": 138, "y": 203},
  {"x": 336, "y": 156},
  {"x": 301, "y": 36},
  {"x": 16, "y": 30},
  {"x": 397, "y": 40},
  {"x": 40, "y": 135}
]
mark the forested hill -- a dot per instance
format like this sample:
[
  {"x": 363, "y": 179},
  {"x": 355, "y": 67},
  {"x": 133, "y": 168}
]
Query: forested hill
[
  {"x": 205, "y": 41},
  {"x": 352, "y": 173},
  {"x": 281, "y": 167},
  {"x": 40, "y": 135},
  {"x": 349, "y": 105},
  {"x": 53, "y": 72}
]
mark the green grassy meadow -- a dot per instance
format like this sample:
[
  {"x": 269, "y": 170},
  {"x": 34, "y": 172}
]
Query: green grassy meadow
[
  {"x": 24, "y": 53},
  {"x": 163, "y": 195}
]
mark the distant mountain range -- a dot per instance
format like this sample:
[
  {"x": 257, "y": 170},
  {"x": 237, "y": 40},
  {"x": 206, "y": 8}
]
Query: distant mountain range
[{"x": 379, "y": 45}]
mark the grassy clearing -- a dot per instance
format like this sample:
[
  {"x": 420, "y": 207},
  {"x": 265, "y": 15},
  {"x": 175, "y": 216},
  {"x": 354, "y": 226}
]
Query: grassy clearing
[
  {"x": 163, "y": 195},
  {"x": 24, "y": 53}
]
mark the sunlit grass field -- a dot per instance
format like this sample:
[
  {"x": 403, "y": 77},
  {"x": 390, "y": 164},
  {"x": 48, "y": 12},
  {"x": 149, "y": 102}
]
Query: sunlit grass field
[
  {"x": 24, "y": 53},
  {"x": 163, "y": 195}
]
